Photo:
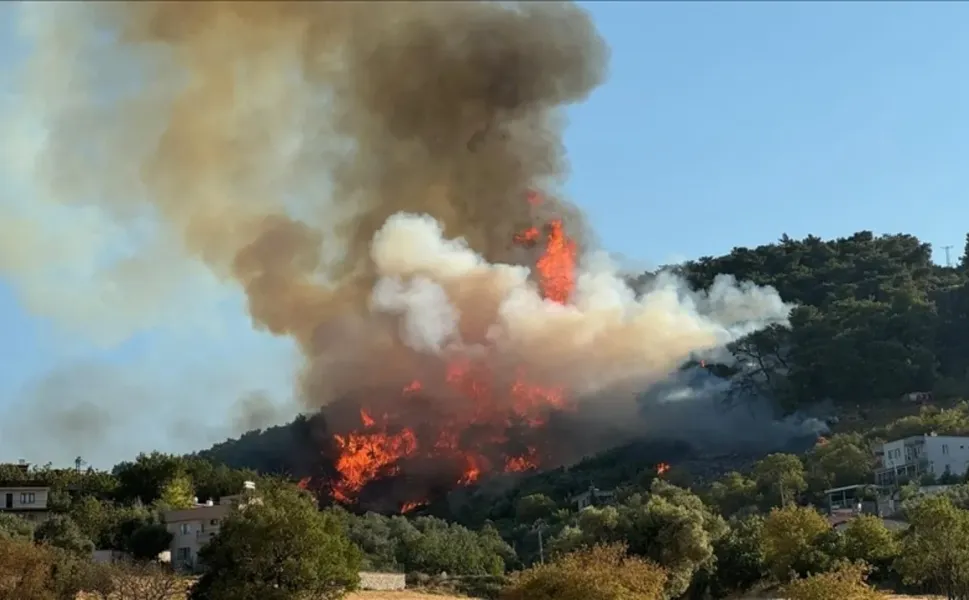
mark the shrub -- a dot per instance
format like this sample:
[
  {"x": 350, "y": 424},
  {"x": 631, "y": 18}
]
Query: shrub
[
  {"x": 598, "y": 573},
  {"x": 845, "y": 583}
]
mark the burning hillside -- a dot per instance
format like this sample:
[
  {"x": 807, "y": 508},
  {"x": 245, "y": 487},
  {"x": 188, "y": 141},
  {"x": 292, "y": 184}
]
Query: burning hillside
[
  {"x": 358, "y": 171},
  {"x": 486, "y": 424}
]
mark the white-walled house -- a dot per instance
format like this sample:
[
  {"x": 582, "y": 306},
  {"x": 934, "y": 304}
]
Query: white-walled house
[
  {"x": 915, "y": 456},
  {"x": 192, "y": 528},
  {"x": 24, "y": 500}
]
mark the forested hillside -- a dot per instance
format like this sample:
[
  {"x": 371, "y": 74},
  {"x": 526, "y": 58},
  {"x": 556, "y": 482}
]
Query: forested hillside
[{"x": 876, "y": 320}]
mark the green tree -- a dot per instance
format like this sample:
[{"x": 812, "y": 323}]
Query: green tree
[
  {"x": 93, "y": 517},
  {"x": 935, "y": 548},
  {"x": 780, "y": 478},
  {"x": 670, "y": 526},
  {"x": 144, "y": 479},
  {"x": 177, "y": 493},
  {"x": 841, "y": 460},
  {"x": 280, "y": 547},
  {"x": 60, "y": 531},
  {"x": 797, "y": 540},
  {"x": 733, "y": 493},
  {"x": 15, "y": 527},
  {"x": 740, "y": 558},
  {"x": 534, "y": 507},
  {"x": 866, "y": 539},
  {"x": 598, "y": 573},
  {"x": 148, "y": 541},
  {"x": 453, "y": 549}
]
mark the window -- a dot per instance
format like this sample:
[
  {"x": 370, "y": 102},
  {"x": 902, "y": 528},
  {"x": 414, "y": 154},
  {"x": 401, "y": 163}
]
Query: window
[
  {"x": 214, "y": 522},
  {"x": 185, "y": 528},
  {"x": 27, "y": 498},
  {"x": 183, "y": 554}
]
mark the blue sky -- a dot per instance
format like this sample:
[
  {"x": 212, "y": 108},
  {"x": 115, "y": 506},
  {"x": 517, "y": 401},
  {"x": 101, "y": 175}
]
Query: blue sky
[{"x": 721, "y": 124}]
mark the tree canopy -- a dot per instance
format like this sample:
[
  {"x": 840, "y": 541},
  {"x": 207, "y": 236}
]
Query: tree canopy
[{"x": 279, "y": 548}]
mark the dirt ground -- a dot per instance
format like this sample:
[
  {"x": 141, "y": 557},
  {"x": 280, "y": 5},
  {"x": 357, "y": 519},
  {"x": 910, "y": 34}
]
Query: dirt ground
[
  {"x": 400, "y": 596},
  {"x": 373, "y": 596},
  {"x": 890, "y": 598}
]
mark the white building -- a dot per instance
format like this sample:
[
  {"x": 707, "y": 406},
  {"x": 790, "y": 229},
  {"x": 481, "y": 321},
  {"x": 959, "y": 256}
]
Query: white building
[
  {"x": 915, "y": 456},
  {"x": 24, "y": 500},
  {"x": 192, "y": 528}
]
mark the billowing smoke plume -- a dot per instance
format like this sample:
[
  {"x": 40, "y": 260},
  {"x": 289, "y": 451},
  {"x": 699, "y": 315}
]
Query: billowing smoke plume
[
  {"x": 605, "y": 337},
  {"x": 361, "y": 171}
]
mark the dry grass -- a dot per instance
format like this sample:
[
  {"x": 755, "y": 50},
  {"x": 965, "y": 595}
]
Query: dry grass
[{"x": 409, "y": 595}]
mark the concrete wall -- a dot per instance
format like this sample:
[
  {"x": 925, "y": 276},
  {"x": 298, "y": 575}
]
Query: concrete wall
[{"x": 382, "y": 581}]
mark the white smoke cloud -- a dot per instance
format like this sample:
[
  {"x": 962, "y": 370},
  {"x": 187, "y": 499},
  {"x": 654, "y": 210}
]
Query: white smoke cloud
[
  {"x": 606, "y": 337},
  {"x": 429, "y": 319}
]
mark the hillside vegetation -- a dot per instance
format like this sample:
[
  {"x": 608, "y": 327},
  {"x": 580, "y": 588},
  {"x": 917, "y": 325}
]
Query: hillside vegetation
[{"x": 875, "y": 321}]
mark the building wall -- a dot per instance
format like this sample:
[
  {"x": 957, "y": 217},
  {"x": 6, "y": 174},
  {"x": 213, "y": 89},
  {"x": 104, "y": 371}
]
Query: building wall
[
  {"x": 191, "y": 529},
  {"x": 901, "y": 452},
  {"x": 23, "y": 498},
  {"x": 950, "y": 452},
  {"x": 382, "y": 582}
]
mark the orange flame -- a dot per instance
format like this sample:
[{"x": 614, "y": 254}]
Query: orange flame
[
  {"x": 662, "y": 468},
  {"x": 410, "y": 506},
  {"x": 364, "y": 456},
  {"x": 529, "y": 237},
  {"x": 557, "y": 266},
  {"x": 377, "y": 448}
]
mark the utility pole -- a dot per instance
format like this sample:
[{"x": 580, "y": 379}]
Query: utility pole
[
  {"x": 539, "y": 526},
  {"x": 948, "y": 263}
]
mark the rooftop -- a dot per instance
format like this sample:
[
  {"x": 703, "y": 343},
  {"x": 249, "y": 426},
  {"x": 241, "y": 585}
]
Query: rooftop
[{"x": 23, "y": 485}]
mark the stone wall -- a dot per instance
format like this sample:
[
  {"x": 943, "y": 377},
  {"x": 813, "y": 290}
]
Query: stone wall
[{"x": 382, "y": 581}]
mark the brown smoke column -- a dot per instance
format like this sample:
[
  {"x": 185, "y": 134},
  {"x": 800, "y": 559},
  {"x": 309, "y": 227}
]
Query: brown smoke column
[{"x": 290, "y": 132}]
